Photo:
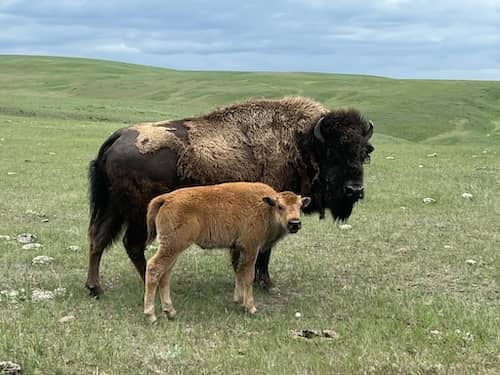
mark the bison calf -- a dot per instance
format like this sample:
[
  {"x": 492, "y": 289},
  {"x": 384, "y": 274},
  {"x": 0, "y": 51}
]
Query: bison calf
[{"x": 244, "y": 217}]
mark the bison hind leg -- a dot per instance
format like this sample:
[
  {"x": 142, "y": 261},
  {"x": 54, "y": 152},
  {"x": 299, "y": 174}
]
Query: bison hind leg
[
  {"x": 101, "y": 234},
  {"x": 134, "y": 242},
  {"x": 235, "y": 258}
]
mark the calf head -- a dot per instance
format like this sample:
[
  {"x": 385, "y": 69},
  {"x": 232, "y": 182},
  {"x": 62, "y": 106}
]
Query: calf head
[{"x": 286, "y": 208}]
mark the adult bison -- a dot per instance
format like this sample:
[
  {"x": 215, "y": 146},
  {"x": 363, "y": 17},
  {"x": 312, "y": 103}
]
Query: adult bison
[{"x": 291, "y": 144}]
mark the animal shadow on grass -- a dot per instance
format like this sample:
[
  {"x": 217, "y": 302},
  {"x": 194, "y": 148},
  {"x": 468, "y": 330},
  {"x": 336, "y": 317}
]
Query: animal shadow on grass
[{"x": 210, "y": 298}]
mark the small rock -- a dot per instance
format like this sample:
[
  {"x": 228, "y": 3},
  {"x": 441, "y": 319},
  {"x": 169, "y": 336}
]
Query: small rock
[
  {"x": 10, "y": 368},
  {"x": 4, "y": 237},
  {"x": 297, "y": 315},
  {"x": 467, "y": 195},
  {"x": 447, "y": 246},
  {"x": 11, "y": 173},
  {"x": 433, "y": 155},
  {"x": 435, "y": 332},
  {"x": 52, "y": 153},
  {"x": 345, "y": 226},
  {"x": 38, "y": 295},
  {"x": 390, "y": 157},
  {"x": 420, "y": 165},
  {"x": 42, "y": 259},
  {"x": 26, "y": 238},
  {"x": 60, "y": 292},
  {"x": 9, "y": 293},
  {"x": 330, "y": 333},
  {"x": 468, "y": 337},
  {"x": 35, "y": 213},
  {"x": 66, "y": 319},
  {"x": 44, "y": 220},
  {"x": 32, "y": 246},
  {"x": 74, "y": 248},
  {"x": 470, "y": 262},
  {"x": 428, "y": 200}
]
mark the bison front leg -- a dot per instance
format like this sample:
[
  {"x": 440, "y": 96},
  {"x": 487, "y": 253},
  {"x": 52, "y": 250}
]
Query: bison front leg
[{"x": 262, "y": 270}]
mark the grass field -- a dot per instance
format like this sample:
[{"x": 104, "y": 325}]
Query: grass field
[{"x": 411, "y": 288}]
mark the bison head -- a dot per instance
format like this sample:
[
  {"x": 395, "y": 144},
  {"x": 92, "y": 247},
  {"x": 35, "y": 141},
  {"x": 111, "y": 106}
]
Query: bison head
[{"x": 340, "y": 145}]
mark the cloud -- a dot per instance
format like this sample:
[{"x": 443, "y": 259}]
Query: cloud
[{"x": 399, "y": 38}]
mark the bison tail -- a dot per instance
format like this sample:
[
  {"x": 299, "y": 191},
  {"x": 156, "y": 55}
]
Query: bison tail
[
  {"x": 153, "y": 208},
  {"x": 99, "y": 183}
]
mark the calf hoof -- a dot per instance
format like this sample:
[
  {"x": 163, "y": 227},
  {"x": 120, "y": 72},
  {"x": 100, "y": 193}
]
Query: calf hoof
[
  {"x": 171, "y": 313},
  {"x": 238, "y": 300},
  {"x": 94, "y": 291},
  {"x": 151, "y": 318},
  {"x": 251, "y": 310}
]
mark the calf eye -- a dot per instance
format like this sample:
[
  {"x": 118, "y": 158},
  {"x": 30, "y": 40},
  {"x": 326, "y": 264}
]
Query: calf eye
[{"x": 280, "y": 207}]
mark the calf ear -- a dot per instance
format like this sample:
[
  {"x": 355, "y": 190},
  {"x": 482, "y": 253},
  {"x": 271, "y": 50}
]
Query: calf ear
[
  {"x": 305, "y": 201},
  {"x": 270, "y": 201}
]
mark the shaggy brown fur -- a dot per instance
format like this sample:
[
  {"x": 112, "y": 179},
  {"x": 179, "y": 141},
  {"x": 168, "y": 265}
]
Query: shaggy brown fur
[
  {"x": 153, "y": 136},
  {"x": 244, "y": 141},
  {"x": 244, "y": 217}
]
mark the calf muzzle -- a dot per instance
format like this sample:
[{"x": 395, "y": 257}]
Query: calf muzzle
[{"x": 294, "y": 225}]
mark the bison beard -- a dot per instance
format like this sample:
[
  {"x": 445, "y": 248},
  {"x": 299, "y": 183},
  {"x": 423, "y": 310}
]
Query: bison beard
[{"x": 291, "y": 144}]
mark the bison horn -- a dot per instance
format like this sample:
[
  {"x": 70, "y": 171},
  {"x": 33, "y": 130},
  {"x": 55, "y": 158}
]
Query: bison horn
[
  {"x": 369, "y": 132},
  {"x": 317, "y": 131}
]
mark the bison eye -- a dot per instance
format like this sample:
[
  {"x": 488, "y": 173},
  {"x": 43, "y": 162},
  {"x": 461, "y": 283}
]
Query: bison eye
[
  {"x": 367, "y": 159},
  {"x": 280, "y": 207}
]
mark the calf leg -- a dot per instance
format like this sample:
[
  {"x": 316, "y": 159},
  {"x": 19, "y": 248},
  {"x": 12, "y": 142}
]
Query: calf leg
[
  {"x": 101, "y": 234},
  {"x": 245, "y": 276},
  {"x": 166, "y": 301},
  {"x": 235, "y": 262},
  {"x": 135, "y": 243},
  {"x": 159, "y": 267},
  {"x": 262, "y": 269},
  {"x": 155, "y": 270}
]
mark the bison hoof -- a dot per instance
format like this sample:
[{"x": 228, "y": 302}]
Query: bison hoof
[
  {"x": 267, "y": 284},
  {"x": 152, "y": 319},
  {"x": 252, "y": 310},
  {"x": 95, "y": 291}
]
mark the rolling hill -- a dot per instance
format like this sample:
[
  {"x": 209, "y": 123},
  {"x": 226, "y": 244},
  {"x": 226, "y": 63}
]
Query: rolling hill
[{"x": 434, "y": 111}]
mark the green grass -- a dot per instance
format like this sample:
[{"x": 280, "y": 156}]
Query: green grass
[{"x": 384, "y": 285}]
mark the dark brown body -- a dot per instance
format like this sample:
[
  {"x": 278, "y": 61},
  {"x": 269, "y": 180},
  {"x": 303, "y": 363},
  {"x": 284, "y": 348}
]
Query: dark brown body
[
  {"x": 244, "y": 217},
  {"x": 291, "y": 144}
]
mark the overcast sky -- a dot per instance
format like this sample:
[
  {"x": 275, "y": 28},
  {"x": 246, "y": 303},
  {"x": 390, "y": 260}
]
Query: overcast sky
[{"x": 394, "y": 38}]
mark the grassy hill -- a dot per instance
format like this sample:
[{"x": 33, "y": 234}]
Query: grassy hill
[{"x": 415, "y": 110}]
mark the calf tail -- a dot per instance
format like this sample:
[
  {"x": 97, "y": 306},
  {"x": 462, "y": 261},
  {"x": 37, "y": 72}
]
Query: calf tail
[{"x": 153, "y": 208}]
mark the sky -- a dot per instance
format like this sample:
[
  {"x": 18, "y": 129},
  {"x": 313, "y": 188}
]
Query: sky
[{"x": 392, "y": 38}]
